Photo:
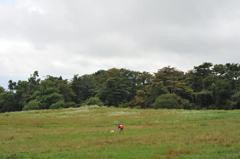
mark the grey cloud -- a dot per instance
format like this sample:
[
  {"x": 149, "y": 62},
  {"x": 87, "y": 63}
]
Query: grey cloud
[{"x": 80, "y": 37}]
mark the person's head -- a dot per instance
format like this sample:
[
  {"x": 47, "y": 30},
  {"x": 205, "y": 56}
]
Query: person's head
[{"x": 118, "y": 123}]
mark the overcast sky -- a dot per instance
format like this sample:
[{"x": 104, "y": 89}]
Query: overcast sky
[{"x": 67, "y": 37}]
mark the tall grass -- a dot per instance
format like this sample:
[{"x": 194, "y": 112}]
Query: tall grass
[{"x": 86, "y": 133}]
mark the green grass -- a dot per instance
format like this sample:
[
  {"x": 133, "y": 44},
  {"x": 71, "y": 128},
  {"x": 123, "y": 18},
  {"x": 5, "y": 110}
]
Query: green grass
[{"x": 86, "y": 133}]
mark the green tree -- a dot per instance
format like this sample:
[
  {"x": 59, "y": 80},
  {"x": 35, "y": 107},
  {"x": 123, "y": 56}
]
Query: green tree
[
  {"x": 100, "y": 77},
  {"x": 65, "y": 90},
  {"x": 130, "y": 79},
  {"x": 204, "y": 70},
  {"x": 236, "y": 100},
  {"x": 219, "y": 70},
  {"x": 199, "y": 74},
  {"x": 144, "y": 78},
  {"x": 153, "y": 91},
  {"x": 113, "y": 92},
  {"x": 23, "y": 90},
  {"x": 232, "y": 73},
  {"x": 8, "y": 102},
  {"x": 53, "y": 90},
  {"x": 175, "y": 81},
  {"x": 170, "y": 77},
  {"x": 84, "y": 87},
  {"x": 32, "y": 105},
  {"x": 34, "y": 81},
  {"x": 168, "y": 101},
  {"x": 11, "y": 85},
  {"x": 208, "y": 81},
  {"x": 2, "y": 90},
  {"x": 204, "y": 99},
  {"x": 222, "y": 93}
]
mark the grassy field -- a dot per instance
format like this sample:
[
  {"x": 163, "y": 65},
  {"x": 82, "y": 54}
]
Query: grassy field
[{"x": 85, "y": 132}]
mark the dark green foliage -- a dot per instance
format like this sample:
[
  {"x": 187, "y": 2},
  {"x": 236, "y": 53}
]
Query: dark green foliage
[
  {"x": 153, "y": 91},
  {"x": 57, "y": 105},
  {"x": 208, "y": 81},
  {"x": 236, "y": 100},
  {"x": 70, "y": 105},
  {"x": 32, "y": 105},
  {"x": 222, "y": 92},
  {"x": 117, "y": 86},
  {"x": 124, "y": 105},
  {"x": 11, "y": 85},
  {"x": 8, "y": 102},
  {"x": 113, "y": 91},
  {"x": 204, "y": 99},
  {"x": 204, "y": 70},
  {"x": 167, "y": 101},
  {"x": 93, "y": 101},
  {"x": 207, "y": 86},
  {"x": 186, "y": 104},
  {"x": 53, "y": 98},
  {"x": 65, "y": 90},
  {"x": 175, "y": 81},
  {"x": 83, "y": 87}
]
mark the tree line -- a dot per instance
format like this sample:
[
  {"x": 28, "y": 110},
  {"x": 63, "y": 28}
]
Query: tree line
[{"x": 206, "y": 86}]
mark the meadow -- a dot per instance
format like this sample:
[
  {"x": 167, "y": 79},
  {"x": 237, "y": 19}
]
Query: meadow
[{"x": 85, "y": 133}]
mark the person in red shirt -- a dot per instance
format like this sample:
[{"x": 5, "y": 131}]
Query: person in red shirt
[{"x": 120, "y": 127}]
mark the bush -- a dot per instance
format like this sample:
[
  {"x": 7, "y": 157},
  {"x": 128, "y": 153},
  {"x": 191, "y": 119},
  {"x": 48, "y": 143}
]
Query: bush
[
  {"x": 57, "y": 105},
  {"x": 123, "y": 105},
  {"x": 93, "y": 101},
  {"x": 229, "y": 105},
  {"x": 213, "y": 107},
  {"x": 32, "y": 105},
  {"x": 168, "y": 101},
  {"x": 204, "y": 98},
  {"x": 70, "y": 105},
  {"x": 185, "y": 104}
]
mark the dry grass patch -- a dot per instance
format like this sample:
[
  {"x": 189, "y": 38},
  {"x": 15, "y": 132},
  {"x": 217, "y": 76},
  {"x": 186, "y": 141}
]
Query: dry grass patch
[{"x": 178, "y": 151}]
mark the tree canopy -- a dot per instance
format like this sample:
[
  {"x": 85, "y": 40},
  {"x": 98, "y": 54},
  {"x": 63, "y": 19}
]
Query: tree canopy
[{"x": 206, "y": 86}]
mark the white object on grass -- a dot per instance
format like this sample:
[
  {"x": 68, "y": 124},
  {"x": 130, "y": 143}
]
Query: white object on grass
[{"x": 112, "y": 131}]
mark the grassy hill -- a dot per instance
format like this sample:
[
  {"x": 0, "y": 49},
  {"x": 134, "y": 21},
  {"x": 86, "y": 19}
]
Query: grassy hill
[{"x": 85, "y": 132}]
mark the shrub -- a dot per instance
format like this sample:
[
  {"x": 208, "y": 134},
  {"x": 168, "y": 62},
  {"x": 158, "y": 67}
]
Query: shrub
[
  {"x": 93, "y": 101},
  {"x": 123, "y": 105},
  {"x": 168, "y": 101},
  {"x": 213, "y": 107},
  {"x": 32, "y": 105},
  {"x": 229, "y": 104},
  {"x": 70, "y": 105},
  {"x": 185, "y": 104},
  {"x": 54, "y": 97},
  {"x": 57, "y": 105}
]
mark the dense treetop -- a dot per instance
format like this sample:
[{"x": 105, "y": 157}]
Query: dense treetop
[{"x": 206, "y": 86}]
